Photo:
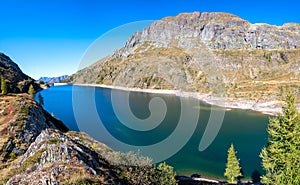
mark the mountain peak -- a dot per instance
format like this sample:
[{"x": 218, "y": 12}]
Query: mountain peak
[
  {"x": 57, "y": 79},
  {"x": 217, "y": 30},
  {"x": 202, "y": 16},
  {"x": 202, "y": 52}
]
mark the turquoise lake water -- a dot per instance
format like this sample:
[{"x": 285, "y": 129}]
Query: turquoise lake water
[{"x": 244, "y": 128}]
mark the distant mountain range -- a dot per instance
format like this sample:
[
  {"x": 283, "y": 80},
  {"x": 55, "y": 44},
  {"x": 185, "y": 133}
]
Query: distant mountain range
[
  {"x": 53, "y": 79},
  {"x": 205, "y": 52}
]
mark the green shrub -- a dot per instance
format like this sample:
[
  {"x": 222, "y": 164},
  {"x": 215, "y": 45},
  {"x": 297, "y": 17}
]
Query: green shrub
[
  {"x": 3, "y": 87},
  {"x": 12, "y": 156},
  {"x": 25, "y": 109},
  {"x": 19, "y": 122},
  {"x": 30, "y": 161},
  {"x": 53, "y": 141}
]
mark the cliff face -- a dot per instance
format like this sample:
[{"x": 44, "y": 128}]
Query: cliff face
[
  {"x": 217, "y": 31},
  {"x": 207, "y": 53}
]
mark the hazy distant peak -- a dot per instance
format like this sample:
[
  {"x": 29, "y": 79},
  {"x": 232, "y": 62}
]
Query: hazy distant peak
[{"x": 53, "y": 79}]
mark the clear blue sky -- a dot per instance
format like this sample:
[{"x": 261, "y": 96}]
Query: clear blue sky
[{"x": 49, "y": 37}]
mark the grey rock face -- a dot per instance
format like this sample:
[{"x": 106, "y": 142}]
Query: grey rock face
[
  {"x": 218, "y": 31},
  {"x": 204, "y": 52},
  {"x": 74, "y": 158},
  {"x": 54, "y": 155}
]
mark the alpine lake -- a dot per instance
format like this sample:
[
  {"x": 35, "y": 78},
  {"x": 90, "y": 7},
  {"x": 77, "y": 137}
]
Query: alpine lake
[{"x": 246, "y": 129}]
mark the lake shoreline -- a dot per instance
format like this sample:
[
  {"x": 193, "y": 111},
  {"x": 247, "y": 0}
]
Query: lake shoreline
[
  {"x": 264, "y": 107},
  {"x": 204, "y": 176}
]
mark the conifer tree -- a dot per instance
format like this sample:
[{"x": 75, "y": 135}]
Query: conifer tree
[
  {"x": 166, "y": 175},
  {"x": 281, "y": 156},
  {"x": 41, "y": 99},
  {"x": 233, "y": 169},
  {"x": 3, "y": 87},
  {"x": 31, "y": 91}
]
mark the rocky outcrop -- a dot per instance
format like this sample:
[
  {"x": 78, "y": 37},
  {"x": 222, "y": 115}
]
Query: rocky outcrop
[
  {"x": 58, "y": 158},
  {"x": 21, "y": 121},
  {"x": 210, "y": 53},
  {"x": 75, "y": 158}
]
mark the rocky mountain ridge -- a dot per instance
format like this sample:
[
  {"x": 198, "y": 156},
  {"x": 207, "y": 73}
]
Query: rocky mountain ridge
[
  {"x": 210, "y": 53},
  {"x": 16, "y": 80},
  {"x": 217, "y": 31},
  {"x": 21, "y": 121}
]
